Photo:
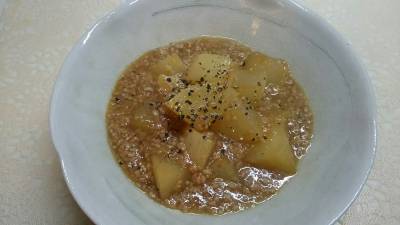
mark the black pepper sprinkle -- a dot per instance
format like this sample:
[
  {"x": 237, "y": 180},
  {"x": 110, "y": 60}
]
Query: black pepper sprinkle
[
  {"x": 246, "y": 113},
  {"x": 117, "y": 100},
  {"x": 201, "y": 79},
  {"x": 168, "y": 79},
  {"x": 188, "y": 102},
  {"x": 185, "y": 82},
  {"x": 253, "y": 139},
  {"x": 204, "y": 136},
  {"x": 258, "y": 83},
  {"x": 190, "y": 130}
]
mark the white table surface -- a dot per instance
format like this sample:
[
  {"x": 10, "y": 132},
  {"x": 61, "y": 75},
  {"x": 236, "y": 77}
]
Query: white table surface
[{"x": 36, "y": 35}]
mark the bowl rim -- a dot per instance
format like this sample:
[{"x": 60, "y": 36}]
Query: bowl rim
[{"x": 297, "y": 5}]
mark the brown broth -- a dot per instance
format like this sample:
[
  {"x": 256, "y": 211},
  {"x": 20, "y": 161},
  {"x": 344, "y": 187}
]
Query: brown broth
[{"x": 203, "y": 193}]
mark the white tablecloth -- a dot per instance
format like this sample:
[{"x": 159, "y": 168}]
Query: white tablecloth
[{"x": 36, "y": 35}]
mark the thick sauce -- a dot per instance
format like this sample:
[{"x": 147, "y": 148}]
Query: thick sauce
[{"x": 201, "y": 190}]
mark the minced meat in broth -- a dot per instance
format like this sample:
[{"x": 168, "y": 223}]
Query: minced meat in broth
[{"x": 189, "y": 159}]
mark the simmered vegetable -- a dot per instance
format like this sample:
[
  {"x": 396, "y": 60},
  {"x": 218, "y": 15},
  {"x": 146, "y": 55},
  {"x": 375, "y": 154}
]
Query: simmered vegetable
[
  {"x": 168, "y": 174},
  {"x": 199, "y": 146},
  {"x": 144, "y": 119},
  {"x": 168, "y": 66},
  {"x": 168, "y": 84},
  {"x": 274, "y": 153},
  {"x": 239, "y": 121},
  {"x": 210, "y": 68},
  {"x": 199, "y": 105},
  {"x": 225, "y": 169},
  {"x": 257, "y": 73}
]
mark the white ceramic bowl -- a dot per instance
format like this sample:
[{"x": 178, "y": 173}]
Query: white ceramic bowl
[{"x": 329, "y": 177}]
